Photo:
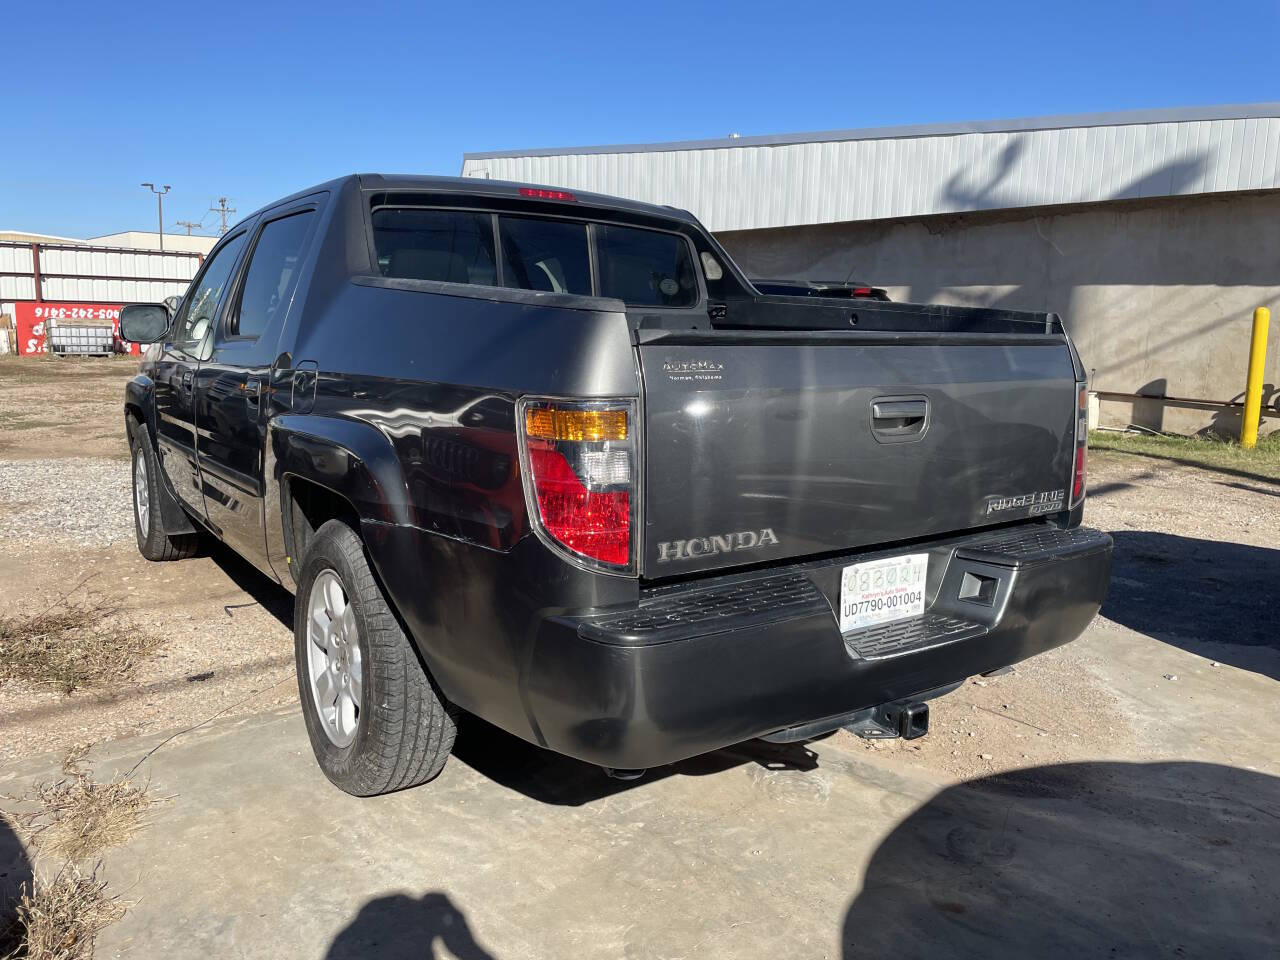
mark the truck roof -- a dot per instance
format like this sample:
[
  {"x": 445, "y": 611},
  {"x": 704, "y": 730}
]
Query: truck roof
[{"x": 478, "y": 187}]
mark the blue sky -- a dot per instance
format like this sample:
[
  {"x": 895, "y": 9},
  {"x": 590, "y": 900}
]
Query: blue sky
[{"x": 255, "y": 100}]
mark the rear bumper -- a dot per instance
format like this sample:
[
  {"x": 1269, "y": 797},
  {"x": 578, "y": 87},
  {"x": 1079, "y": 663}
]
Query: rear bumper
[{"x": 699, "y": 666}]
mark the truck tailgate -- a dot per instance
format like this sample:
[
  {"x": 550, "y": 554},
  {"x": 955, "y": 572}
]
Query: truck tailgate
[{"x": 771, "y": 445}]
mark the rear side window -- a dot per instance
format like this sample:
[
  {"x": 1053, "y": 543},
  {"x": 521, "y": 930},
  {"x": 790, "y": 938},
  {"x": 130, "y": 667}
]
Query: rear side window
[
  {"x": 549, "y": 255},
  {"x": 644, "y": 267},
  {"x": 454, "y": 246},
  {"x": 272, "y": 275}
]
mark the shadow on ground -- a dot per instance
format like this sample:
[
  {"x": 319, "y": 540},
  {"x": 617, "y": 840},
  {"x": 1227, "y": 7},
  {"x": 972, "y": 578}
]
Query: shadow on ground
[
  {"x": 1092, "y": 859},
  {"x": 1199, "y": 595},
  {"x": 272, "y": 597},
  {"x": 15, "y": 872},
  {"x": 400, "y": 927},
  {"x": 555, "y": 779}
]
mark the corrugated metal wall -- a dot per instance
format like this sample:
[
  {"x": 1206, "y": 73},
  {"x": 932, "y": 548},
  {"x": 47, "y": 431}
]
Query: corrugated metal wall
[
  {"x": 96, "y": 274},
  {"x": 754, "y": 186}
]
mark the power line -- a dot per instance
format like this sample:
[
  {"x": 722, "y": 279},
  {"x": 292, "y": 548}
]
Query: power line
[
  {"x": 222, "y": 210},
  {"x": 189, "y": 224}
]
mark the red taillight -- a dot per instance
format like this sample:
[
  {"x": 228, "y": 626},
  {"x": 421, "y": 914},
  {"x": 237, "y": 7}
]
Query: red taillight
[
  {"x": 1082, "y": 444},
  {"x": 596, "y": 524},
  {"x": 1077, "y": 485},
  {"x": 543, "y": 194},
  {"x": 579, "y": 460}
]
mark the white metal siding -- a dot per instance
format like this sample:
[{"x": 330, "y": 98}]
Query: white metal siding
[{"x": 787, "y": 184}]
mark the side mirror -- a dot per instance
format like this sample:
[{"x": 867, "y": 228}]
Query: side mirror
[{"x": 143, "y": 322}]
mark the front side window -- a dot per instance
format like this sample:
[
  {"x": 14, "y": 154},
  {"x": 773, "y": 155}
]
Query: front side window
[
  {"x": 272, "y": 274},
  {"x": 202, "y": 303},
  {"x": 549, "y": 255},
  {"x": 454, "y": 246},
  {"x": 644, "y": 267}
]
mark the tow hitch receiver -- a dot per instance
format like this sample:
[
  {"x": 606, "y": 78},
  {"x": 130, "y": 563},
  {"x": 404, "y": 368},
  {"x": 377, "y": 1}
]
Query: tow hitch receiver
[{"x": 907, "y": 719}]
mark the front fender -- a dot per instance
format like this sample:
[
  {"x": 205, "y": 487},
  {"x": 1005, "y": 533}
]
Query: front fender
[{"x": 140, "y": 408}]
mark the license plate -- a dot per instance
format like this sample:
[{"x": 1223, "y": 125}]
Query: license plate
[{"x": 881, "y": 591}]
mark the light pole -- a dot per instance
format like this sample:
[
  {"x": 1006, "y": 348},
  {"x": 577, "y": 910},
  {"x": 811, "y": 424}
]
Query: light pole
[{"x": 159, "y": 208}]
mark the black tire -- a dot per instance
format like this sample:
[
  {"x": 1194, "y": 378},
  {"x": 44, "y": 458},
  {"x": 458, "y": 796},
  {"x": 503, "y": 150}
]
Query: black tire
[
  {"x": 405, "y": 728},
  {"x": 153, "y": 542}
]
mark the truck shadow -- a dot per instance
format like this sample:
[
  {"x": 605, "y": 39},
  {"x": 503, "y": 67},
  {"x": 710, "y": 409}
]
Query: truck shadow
[
  {"x": 563, "y": 781},
  {"x": 15, "y": 873},
  {"x": 1087, "y": 859},
  {"x": 1210, "y": 598}
]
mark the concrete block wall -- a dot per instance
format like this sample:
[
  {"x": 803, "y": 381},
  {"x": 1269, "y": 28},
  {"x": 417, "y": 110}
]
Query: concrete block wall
[{"x": 1158, "y": 294}]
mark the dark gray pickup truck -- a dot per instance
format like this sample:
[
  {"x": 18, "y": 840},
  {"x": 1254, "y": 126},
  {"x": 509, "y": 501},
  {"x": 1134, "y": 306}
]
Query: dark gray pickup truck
[{"x": 550, "y": 459}]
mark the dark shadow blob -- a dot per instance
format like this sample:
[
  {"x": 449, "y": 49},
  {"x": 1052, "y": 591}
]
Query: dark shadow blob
[
  {"x": 15, "y": 874},
  {"x": 273, "y": 598},
  {"x": 1080, "y": 860},
  {"x": 555, "y": 779},
  {"x": 1197, "y": 594},
  {"x": 400, "y": 927}
]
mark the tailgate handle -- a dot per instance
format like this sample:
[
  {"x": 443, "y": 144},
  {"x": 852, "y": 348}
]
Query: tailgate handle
[
  {"x": 898, "y": 409},
  {"x": 895, "y": 419}
]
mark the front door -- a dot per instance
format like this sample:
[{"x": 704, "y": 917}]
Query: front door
[
  {"x": 174, "y": 372},
  {"x": 233, "y": 385}
]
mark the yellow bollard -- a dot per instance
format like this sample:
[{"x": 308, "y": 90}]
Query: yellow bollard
[{"x": 1253, "y": 386}]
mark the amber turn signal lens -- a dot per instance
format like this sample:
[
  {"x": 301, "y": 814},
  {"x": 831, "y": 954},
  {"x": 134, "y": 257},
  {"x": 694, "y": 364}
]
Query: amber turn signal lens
[{"x": 551, "y": 423}]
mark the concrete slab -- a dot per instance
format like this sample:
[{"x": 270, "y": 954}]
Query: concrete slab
[{"x": 825, "y": 851}]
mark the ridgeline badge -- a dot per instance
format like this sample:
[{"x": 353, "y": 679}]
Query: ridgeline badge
[{"x": 1046, "y": 501}]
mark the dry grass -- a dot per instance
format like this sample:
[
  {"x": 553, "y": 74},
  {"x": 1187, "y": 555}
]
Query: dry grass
[
  {"x": 71, "y": 644},
  {"x": 1262, "y": 462},
  {"x": 77, "y": 817},
  {"x": 58, "y": 919}
]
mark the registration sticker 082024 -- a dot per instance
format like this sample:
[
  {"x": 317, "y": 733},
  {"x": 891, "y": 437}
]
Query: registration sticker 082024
[{"x": 881, "y": 591}]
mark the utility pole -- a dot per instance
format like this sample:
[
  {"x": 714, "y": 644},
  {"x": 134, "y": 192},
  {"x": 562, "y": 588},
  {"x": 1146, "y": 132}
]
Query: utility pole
[
  {"x": 222, "y": 210},
  {"x": 190, "y": 225},
  {"x": 159, "y": 208}
]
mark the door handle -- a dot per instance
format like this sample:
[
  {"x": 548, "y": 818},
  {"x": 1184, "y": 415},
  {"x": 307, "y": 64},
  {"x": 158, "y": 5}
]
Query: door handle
[
  {"x": 187, "y": 378},
  {"x": 898, "y": 409},
  {"x": 899, "y": 419}
]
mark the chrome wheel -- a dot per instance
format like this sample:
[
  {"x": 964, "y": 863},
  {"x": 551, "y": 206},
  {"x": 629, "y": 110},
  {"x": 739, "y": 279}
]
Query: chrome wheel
[
  {"x": 141, "y": 491},
  {"x": 333, "y": 658}
]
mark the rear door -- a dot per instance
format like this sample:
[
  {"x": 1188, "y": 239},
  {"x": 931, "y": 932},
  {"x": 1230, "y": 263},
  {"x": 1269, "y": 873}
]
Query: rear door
[
  {"x": 174, "y": 372},
  {"x": 233, "y": 383},
  {"x": 770, "y": 445}
]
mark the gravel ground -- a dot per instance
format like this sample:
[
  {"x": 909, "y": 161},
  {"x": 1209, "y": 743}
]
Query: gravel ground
[{"x": 83, "y": 501}]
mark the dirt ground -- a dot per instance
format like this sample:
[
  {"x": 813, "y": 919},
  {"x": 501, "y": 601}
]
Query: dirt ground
[
  {"x": 66, "y": 529},
  {"x": 1187, "y": 539}
]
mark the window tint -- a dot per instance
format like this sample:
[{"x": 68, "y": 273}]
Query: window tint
[
  {"x": 202, "y": 301},
  {"x": 455, "y": 246},
  {"x": 272, "y": 274},
  {"x": 546, "y": 255},
  {"x": 645, "y": 268}
]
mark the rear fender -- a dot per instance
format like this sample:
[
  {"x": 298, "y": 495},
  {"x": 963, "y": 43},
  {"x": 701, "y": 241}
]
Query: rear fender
[
  {"x": 355, "y": 461},
  {"x": 347, "y": 457}
]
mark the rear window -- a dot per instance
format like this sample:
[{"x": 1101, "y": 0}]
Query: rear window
[
  {"x": 455, "y": 246},
  {"x": 548, "y": 255},
  {"x": 645, "y": 268}
]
